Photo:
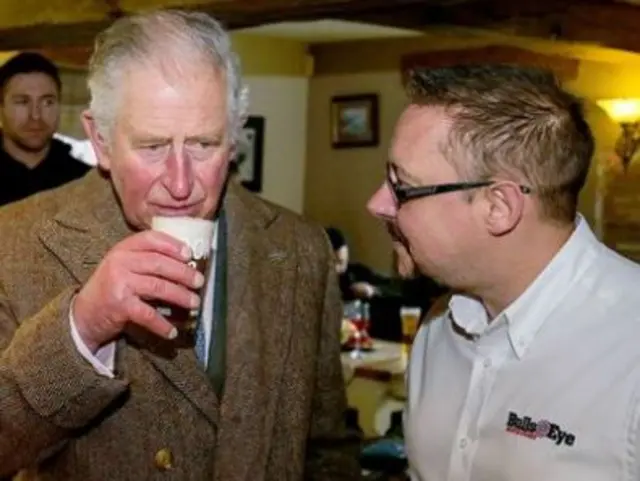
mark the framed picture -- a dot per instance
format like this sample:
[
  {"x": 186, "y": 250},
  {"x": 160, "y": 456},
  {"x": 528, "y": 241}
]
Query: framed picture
[
  {"x": 354, "y": 121},
  {"x": 250, "y": 151}
]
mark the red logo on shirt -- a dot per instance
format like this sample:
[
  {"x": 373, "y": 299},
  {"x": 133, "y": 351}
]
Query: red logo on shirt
[{"x": 524, "y": 426}]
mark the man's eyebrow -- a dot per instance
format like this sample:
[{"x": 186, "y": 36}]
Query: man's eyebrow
[
  {"x": 149, "y": 138},
  {"x": 404, "y": 173},
  {"x": 213, "y": 136}
]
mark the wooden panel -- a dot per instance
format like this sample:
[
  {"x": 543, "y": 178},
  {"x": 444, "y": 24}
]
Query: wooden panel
[
  {"x": 611, "y": 25},
  {"x": 621, "y": 213},
  {"x": 604, "y": 22},
  {"x": 19, "y": 13},
  {"x": 565, "y": 68},
  {"x": 27, "y": 27},
  {"x": 34, "y": 24},
  {"x": 72, "y": 57}
]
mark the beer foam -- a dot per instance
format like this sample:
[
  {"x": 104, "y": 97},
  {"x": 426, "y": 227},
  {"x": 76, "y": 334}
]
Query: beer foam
[{"x": 196, "y": 233}]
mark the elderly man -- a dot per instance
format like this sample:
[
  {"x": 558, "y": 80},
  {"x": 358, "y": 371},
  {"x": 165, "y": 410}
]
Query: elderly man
[
  {"x": 94, "y": 384},
  {"x": 533, "y": 370}
]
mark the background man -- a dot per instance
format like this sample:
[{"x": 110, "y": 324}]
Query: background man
[
  {"x": 533, "y": 371},
  {"x": 94, "y": 382},
  {"x": 31, "y": 160},
  {"x": 359, "y": 281}
]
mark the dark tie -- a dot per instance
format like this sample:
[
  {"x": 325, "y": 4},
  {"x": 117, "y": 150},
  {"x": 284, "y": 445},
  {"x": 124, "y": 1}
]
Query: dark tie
[{"x": 200, "y": 344}]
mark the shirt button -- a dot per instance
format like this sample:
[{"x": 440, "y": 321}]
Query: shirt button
[
  {"x": 487, "y": 363},
  {"x": 463, "y": 443}
]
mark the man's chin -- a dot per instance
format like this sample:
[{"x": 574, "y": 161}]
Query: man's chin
[
  {"x": 406, "y": 272},
  {"x": 33, "y": 146},
  {"x": 405, "y": 266}
]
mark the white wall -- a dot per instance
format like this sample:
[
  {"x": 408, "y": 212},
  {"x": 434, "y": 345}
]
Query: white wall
[
  {"x": 339, "y": 182},
  {"x": 283, "y": 103},
  {"x": 75, "y": 98}
]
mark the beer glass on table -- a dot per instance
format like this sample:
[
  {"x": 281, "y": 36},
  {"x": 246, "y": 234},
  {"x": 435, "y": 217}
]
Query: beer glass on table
[{"x": 410, "y": 319}]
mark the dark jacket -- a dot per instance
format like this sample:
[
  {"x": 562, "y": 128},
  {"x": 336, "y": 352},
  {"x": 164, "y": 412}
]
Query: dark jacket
[
  {"x": 18, "y": 181},
  {"x": 419, "y": 291}
]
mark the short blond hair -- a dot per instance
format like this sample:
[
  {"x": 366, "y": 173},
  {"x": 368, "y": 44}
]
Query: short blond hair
[{"x": 512, "y": 122}]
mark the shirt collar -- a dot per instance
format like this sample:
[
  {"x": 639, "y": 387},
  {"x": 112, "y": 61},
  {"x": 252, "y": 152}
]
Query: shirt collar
[
  {"x": 528, "y": 312},
  {"x": 214, "y": 237}
]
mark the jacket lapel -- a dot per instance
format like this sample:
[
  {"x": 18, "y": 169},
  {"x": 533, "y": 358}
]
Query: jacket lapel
[
  {"x": 81, "y": 234},
  {"x": 258, "y": 333}
]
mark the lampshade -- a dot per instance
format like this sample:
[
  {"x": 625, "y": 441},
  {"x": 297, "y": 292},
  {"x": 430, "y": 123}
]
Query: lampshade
[{"x": 621, "y": 110}]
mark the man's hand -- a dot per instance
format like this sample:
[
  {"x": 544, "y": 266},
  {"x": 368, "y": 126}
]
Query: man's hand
[
  {"x": 364, "y": 289},
  {"x": 146, "y": 266}
]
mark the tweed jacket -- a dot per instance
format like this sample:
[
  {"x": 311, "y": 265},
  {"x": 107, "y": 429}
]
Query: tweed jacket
[{"x": 280, "y": 417}]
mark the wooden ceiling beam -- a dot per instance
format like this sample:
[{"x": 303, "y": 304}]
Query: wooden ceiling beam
[
  {"x": 596, "y": 21},
  {"x": 234, "y": 14},
  {"x": 615, "y": 26},
  {"x": 474, "y": 13},
  {"x": 50, "y": 36},
  {"x": 600, "y": 22}
]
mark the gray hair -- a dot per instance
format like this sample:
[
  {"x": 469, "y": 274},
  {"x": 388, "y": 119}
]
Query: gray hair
[{"x": 170, "y": 38}]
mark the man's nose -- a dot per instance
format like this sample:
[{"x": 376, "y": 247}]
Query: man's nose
[
  {"x": 35, "y": 111},
  {"x": 179, "y": 175},
  {"x": 382, "y": 203}
]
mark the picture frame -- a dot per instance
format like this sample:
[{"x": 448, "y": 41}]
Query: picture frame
[
  {"x": 249, "y": 158},
  {"x": 354, "y": 121}
]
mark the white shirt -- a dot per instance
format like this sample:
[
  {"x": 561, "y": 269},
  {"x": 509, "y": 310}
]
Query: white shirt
[
  {"x": 80, "y": 149},
  {"x": 104, "y": 359},
  {"x": 548, "y": 391}
]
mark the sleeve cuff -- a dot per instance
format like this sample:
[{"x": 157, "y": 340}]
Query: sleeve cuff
[
  {"x": 52, "y": 376},
  {"x": 103, "y": 361}
]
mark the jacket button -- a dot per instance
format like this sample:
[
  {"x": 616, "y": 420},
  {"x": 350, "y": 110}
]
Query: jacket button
[{"x": 164, "y": 459}]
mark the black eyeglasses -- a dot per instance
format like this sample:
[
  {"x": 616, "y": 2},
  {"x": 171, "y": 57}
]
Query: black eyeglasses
[{"x": 404, "y": 193}]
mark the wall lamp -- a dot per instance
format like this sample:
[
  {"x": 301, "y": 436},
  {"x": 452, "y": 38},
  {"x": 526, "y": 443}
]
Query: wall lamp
[{"x": 625, "y": 112}]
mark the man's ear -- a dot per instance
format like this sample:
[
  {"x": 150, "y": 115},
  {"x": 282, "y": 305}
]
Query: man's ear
[
  {"x": 505, "y": 207},
  {"x": 97, "y": 141}
]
